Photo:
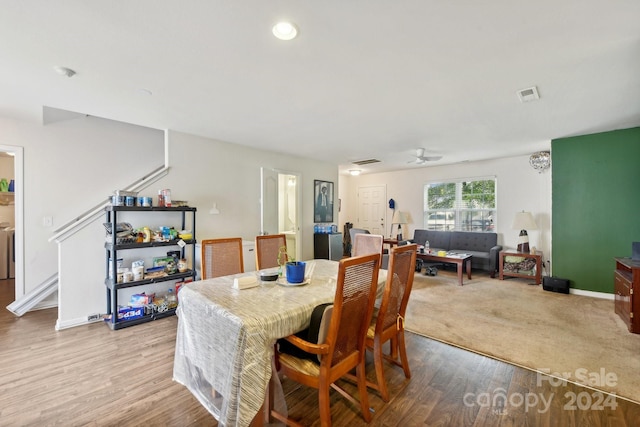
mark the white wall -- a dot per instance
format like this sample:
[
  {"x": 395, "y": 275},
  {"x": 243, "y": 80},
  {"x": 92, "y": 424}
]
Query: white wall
[
  {"x": 71, "y": 166},
  {"x": 520, "y": 187},
  {"x": 204, "y": 171}
]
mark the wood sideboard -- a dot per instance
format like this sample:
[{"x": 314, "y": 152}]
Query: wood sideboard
[{"x": 626, "y": 285}]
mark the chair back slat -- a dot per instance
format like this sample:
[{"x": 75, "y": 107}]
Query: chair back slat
[
  {"x": 221, "y": 257},
  {"x": 398, "y": 287},
  {"x": 365, "y": 244},
  {"x": 267, "y": 248},
  {"x": 353, "y": 306}
]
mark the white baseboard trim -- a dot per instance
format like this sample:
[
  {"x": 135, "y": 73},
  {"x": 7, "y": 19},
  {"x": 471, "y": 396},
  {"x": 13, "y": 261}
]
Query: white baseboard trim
[
  {"x": 602, "y": 295},
  {"x": 72, "y": 323}
]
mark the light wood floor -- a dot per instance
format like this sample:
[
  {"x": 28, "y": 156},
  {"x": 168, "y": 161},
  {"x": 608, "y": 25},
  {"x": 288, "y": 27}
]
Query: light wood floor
[{"x": 92, "y": 376}]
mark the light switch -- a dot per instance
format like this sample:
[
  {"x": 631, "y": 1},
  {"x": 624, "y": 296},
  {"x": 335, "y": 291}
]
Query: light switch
[{"x": 47, "y": 221}]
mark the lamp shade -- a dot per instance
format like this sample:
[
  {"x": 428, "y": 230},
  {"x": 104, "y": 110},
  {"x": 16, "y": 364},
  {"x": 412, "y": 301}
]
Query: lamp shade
[
  {"x": 399, "y": 218},
  {"x": 524, "y": 221}
]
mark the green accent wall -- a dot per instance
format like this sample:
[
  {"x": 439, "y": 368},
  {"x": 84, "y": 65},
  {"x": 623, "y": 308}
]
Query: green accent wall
[{"x": 595, "y": 205}]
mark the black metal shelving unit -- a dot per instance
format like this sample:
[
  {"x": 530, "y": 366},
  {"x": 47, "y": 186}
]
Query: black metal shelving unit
[{"x": 112, "y": 248}]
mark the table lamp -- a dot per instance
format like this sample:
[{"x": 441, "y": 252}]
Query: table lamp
[
  {"x": 524, "y": 221},
  {"x": 399, "y": 218}
]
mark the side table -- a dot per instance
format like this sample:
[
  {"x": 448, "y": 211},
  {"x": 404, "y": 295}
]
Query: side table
[{"x": 537, "y": 256}]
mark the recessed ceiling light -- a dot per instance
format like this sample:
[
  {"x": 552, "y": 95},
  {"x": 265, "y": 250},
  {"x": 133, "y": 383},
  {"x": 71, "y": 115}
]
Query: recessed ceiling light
[
  {"x": 355, "y": 172},
  {"x": 285, "y": 30}
]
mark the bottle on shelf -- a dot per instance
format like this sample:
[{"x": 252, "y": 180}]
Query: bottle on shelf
[{"x": 171, "y": 299}]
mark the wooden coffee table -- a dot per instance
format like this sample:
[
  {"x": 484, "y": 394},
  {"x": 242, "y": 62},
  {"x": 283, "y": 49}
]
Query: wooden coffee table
[{"x": 460, "y": 260}]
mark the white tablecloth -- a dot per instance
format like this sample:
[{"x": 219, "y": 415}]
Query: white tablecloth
[{"x": 225, "y": 336}]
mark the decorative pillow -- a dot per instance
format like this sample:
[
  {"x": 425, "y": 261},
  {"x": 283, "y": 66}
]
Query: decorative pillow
[{"x": 316, "y": 333}]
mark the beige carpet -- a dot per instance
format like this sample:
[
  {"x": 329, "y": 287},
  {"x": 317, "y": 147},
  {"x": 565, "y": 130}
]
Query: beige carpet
[{"x": 522, "y": 324}]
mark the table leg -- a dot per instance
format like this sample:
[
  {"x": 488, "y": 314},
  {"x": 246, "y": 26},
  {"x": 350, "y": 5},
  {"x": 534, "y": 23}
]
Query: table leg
[
  {"x": 468, "y": 262},
  {"x": 459, "y": 263}
]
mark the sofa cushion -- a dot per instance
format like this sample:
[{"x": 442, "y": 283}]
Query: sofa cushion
[
  {"x": 473, "y": 241},
  {"x": 437, "y": 239}
]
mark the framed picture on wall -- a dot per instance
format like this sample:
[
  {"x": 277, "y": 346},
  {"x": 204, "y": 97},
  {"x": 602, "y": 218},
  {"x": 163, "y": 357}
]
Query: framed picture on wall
[{"x": 323, "y": 196}]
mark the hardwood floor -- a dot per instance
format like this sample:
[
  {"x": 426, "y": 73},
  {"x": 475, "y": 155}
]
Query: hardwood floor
[{"x": 92, "y": 376}]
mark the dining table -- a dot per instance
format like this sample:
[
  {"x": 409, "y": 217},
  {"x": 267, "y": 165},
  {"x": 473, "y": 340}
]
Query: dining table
[{"x": 226, "y": 335}]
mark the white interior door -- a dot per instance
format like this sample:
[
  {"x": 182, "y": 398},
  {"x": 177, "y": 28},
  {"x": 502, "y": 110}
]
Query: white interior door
[{"x": 372, "y": 208}]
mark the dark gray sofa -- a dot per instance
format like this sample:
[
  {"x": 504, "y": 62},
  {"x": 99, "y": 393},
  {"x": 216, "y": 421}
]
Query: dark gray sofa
[{"x": 483, "y": 247}]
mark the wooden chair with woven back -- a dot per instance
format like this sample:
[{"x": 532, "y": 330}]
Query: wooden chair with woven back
[
  {"x": 364, "y": 244},
  {"x": 387, "y": 323},
  {"x": 340, "y": 348},
  {"x": 267, "y": 250},
  {"x": 221, "y": 257}
]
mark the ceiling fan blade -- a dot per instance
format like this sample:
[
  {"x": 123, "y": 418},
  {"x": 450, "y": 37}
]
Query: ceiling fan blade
[{"x": 431, "y": 158}]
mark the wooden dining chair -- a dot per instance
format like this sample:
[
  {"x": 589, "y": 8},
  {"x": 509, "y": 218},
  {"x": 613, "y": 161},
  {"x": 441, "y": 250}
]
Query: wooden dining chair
[
  {"x": 221, "y": 257},
  {"x": 267, "y": 248},
  {"x": 365, "y": 244},
  {"x": 343, "y": 348},
  {"x": 387, "y": 323}
]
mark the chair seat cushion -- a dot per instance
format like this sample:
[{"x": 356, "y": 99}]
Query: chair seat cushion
[{"x": 316, "y": 333}]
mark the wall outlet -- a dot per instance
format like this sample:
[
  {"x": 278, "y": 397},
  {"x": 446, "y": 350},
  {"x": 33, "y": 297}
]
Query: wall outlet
[{"x": 93, "y": 317}]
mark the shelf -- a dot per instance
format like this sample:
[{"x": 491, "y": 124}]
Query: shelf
[
  {"x": 111, "y": 208},
  {"x": 111, "y": 246},
  {"x": 112, "y": 251},
  {"x": 177, "y": 276}
]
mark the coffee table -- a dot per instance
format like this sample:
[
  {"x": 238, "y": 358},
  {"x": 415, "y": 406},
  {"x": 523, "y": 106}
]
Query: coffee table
[{"x": 460, "y": 260}]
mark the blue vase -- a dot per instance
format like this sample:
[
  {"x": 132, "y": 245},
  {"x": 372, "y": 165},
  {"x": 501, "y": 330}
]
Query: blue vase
[{"x": 295, "y": 271}]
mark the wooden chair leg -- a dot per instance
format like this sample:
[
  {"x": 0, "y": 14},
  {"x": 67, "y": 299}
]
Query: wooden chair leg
[
  {"x": 324, "y": 403},
  {"x": 379, "y": 365},
  {"x": 362, "y": 389},
  {"x": 403, "y": 354}
]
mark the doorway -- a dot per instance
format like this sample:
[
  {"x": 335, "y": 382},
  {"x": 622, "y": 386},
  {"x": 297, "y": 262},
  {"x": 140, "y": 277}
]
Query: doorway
[
  {"x": 14, "y": 211},
  {"x": 372, "y": 208},
  {"x": 280, "y": 207}
]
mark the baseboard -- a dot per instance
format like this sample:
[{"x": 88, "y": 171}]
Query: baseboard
[
  {"x": 72, "y": 323},
  {"x": 602, "y": 295}
]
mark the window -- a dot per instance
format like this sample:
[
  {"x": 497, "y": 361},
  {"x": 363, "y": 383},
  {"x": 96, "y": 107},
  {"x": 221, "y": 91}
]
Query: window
[{"x": 460, "y": 205}]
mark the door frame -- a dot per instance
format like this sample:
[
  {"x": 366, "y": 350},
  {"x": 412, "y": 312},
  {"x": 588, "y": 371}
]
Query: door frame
[{"x": 298, "y": 231}]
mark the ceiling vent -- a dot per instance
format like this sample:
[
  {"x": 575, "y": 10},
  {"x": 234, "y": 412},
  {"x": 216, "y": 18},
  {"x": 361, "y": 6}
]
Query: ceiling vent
[
  {"x": 366, "y": 162},
  {"x": 528, "y": 94}
]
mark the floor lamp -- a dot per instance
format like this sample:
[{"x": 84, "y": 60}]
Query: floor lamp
[
  {"x": 523, "y": 221},
  {"x": 399, "y": 218}
]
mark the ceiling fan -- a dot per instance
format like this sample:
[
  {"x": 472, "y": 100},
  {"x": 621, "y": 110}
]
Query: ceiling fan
[{"x": 421, "y": 158}]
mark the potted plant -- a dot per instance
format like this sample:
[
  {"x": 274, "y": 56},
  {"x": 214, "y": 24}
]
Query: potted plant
[{"x": 295, "y": 269}]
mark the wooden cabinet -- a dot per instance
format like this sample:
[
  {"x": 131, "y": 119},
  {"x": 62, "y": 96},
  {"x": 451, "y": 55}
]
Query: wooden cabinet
[{"x": 626, "y": 280}]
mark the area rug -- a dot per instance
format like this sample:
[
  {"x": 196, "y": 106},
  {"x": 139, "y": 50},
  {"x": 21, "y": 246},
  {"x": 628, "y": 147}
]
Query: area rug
[{"x": 576, "y": 337}]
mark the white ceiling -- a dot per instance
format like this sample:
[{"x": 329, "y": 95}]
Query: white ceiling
[{"x": 364, "y": 78}]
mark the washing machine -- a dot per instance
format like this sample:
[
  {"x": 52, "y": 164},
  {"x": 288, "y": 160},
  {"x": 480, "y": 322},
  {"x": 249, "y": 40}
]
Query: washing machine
[
  {"x": 5, "y": 244},
  {"x": 11, "y": 252}
]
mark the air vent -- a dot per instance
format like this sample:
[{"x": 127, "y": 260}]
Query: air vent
[
  {"x": 528, "y": 94},
  {"x": 366, "y": 162}
]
